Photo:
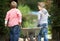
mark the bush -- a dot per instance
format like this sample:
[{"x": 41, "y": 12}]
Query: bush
[
  {"x": 4, "y": 31},
  {"x": 25, "y": 11}
]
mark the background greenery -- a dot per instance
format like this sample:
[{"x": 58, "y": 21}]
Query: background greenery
[{"x": 4, "y": 6}]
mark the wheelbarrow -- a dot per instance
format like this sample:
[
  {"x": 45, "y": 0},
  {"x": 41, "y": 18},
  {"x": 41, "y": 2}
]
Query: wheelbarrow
[{"x": 30, "y": 33}]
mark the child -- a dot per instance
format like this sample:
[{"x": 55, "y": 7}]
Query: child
[
  {"x": 13, "y": 20},
  {"x": 43, "y": 21}
]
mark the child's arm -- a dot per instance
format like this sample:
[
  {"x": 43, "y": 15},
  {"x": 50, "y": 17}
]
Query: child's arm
[
  {"x": 19, "y": 16},
  {"x": 39, "y": 17},
  {"x": 6, "y": 18},
  {"x": 48, "y": 14}
]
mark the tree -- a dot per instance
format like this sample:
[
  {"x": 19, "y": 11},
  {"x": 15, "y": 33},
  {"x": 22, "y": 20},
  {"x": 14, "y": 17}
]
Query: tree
[
  {"x": 55, "y": 12},
  {"x": 4, "y": 4}
]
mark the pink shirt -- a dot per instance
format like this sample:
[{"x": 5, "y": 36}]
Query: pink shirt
[{"x": 14, "y": 16}]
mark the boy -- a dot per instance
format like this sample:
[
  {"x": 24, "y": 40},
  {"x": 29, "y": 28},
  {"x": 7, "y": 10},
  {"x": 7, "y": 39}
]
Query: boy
[
  {"x": 43, "y": 21},
  {"x": 13, "y": 20}
]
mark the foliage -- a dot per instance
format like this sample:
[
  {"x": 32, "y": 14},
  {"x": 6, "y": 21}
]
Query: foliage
[
  {"x": 29, "y": 21},
  {"x": 24, "y": 10},
  {"x": 4, "y": 31},
  {"x": 55, "y": 14},
  {"x": 3, "y": 9},
  {"x": 31, "y": 3}
]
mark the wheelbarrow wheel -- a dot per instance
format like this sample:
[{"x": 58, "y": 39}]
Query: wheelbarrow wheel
[{"x": 31, "y": 37}]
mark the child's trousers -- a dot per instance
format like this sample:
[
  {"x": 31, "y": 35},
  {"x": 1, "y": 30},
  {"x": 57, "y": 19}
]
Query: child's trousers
[
  {"x": 43, "y": 32},
  {"x": 14, "y": 33}
]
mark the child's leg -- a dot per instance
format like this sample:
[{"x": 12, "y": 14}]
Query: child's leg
[
  {"x": 40, "y": 35},
  {"x": 11, "y": 34},
  {"x": 45, "y": 32},
  {"x": 45, "y": 35},
  {"x": 16, "y": 32}
]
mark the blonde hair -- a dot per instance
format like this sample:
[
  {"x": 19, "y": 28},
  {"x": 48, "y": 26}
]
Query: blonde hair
[
  {"x": 41, "y": 4},
  {"x": 13, "y": 4}
]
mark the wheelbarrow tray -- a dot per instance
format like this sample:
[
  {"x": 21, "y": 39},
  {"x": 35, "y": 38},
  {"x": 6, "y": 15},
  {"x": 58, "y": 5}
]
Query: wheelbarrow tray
[{"x": 26, "y": 31}]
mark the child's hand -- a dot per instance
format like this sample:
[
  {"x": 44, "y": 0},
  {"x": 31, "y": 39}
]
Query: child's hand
[
  {"x": 19, "y": 23},
  {"x": 5, "y": 25},
  {"x": 49, "y": 15}
]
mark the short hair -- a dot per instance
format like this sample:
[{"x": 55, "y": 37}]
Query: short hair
[
  {"x": 41, "y": 4},
  {"x": 13, "y": 4}
]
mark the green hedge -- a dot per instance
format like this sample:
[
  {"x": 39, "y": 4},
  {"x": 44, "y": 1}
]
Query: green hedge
[
  {"x": 4, "y": 31},
  {"x": 3, "y": 9}
]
